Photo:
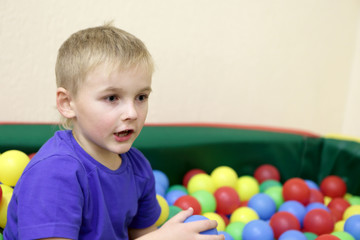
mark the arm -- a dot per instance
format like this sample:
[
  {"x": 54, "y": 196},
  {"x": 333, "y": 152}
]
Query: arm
[{"x": 176, "y": 229}]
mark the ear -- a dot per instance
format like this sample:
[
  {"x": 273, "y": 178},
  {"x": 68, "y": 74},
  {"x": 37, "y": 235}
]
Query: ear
[{"x": 64, "y": 103}]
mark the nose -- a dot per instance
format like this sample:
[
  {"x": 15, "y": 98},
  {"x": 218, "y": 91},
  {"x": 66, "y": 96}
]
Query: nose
[{"x": 129, "y": 111}]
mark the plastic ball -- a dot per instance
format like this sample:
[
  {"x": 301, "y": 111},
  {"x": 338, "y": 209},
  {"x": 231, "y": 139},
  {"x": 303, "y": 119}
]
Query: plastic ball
[
  {"x": 269, "y": 183},
  {"x": 194, "y": 218},
  {"x": 292, "y": 235},
  {"x": 159, "y": 189},
  {"x": 316, "y": 196},
  {"x": 201, "y": 181},
  {"x": 281, "y": 222},
  {"x": 339, "y": 225},
  {"x": 327, "y": 237},
  {"x": 343, "y": 235},
  {"x": 214, "y": 216},
  {"x": 276, "y": 194},
  {"x": 257, "y": 229},
  {"x": 190, "y": 174},
  {"x": 227, "y": 200},
  {"x": 316, "y": 205},
  {"x": 188, "y": 201},
  {"x": 311, "y": 184},
  {"x": 224, "y": 176},
  {"x": 340, "y": 204},
  {"x": 173, "y": 210},
  {"x": 164, "y": 210},
  {"x": 206, "y": 200},
  {"x": 243, "y": 214},
  {"x": 6, "y": 197},
  {"x": 12, "y": 165},
  {"x": 173, "y": 195},
  {"x": 235, "y": 229},
  {"x": 6, "y": 189},
  {"x": 295, "y": 208},
  {"x": 352, "y": 226},
  {"x": 247, "y": 186},
  {"x": 161, "y": 178},
  {"x": 310, "y": 235},
  {"x": 266, "y": 172},
  {"x": 318, "y": 221},
  {"x": 350, "y": 211},
  {"x": 263, "y": 204},
  {"x": 333, "y": 186},
  {"x": 296, "y": 189},
  {"x": 354, "y": 200},
  {"x": 31, "y": 155},
  {"x": 226, "y": 235},
  {"x": 178, "y": 187}
]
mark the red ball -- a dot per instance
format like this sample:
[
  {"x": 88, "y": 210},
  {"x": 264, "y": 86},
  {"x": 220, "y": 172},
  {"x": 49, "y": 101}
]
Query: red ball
[
  {"x": 333, "y": 186},
  {"x": 281, "y": 222},
  {"x": 227, "y": 200},
  {"x": 318, "y": 221},
  {"x": 190, "y": 174},
  {"x": 266, "y": 172},
  {"x": 316, "y": 196},
  {"x": 296, "y": 189},
  {"x": 186, "y": 201},
  {"x": 327, "y": 237},
  {"x": 340, "y": 204},
  {"x": 225, "y": 218}
]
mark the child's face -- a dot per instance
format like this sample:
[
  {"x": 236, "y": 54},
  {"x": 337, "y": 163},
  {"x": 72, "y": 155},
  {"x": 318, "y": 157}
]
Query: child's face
[{"x": 110, "y": 110}]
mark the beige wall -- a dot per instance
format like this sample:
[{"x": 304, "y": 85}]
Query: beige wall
[{"x": 281, "y": 63}]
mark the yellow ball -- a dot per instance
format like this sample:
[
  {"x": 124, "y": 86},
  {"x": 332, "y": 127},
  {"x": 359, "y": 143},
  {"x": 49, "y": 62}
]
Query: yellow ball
[
  {"x": 3, "y": 209},
  {"x": 339, "y": 226},
  {"x": 214, "y": 216},
  {"x": 327, "y": 200},
  {"x": 12, "y": 164},
  {"x": 350, "y": 211},
  {"x": 347, "y": 196},
  {"x": 201, "y": 181},
  {"x": 246, "y": 187},
  {"x": 6, "y": 189},
  {"x": 243, "y": 214},
  {"x": 224, "y": 176},
  {"x": 164, "y": 210}
]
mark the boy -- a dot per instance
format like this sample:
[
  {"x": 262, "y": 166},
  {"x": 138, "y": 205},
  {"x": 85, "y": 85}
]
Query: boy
[{"x": 87, "y": 182}]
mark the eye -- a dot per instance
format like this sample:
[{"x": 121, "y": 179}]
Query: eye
[
  {"x": 112, "y": 98},
  {"x": 143, "y": 97}
]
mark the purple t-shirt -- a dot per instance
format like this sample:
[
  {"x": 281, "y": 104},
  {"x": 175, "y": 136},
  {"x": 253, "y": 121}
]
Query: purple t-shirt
[{"x": 64, "y": 192}]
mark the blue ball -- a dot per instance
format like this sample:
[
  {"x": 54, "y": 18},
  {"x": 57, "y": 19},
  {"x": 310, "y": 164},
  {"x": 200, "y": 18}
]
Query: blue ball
[
  {"x": 263, "y": 205},
  {"x": 352, "y": 226},
  {"x": 161, "y": 178},
  {"x": 257, "y": 229},
  {"x": 312, "y": 184},
  {"x": 295, "y": 208},
  {"x": 316, "y": 205},
  {"x": 194, "y": 218},
  {"x": 173, "y": 195},
  {"x": 159, "y": 189},
  {"x": 226, "y": 235},
  {"x": 292, "y": 235}
]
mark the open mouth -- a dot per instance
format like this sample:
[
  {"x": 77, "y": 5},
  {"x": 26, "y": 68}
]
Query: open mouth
[{"x": 124, "y": 133}]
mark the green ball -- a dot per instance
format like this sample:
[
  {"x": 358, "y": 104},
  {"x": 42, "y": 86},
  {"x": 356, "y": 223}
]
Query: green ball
[
  {"x": 173, "y": 210},
  {"x": 343, "y": 235},
  {"x": 177, "y": 187},
  {"x": 275, "y": 193},
  {"x": 269, "y": 183},
  {"x": 310, "y": 235},
  {"x": 354, "y": 200},
  {"x": 206, "y": 199},
  {"x": 235, "y": 229}
]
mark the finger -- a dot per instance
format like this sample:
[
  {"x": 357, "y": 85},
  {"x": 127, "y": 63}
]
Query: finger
[
  {"x": 203, "y": 225},
  {"x": 210, "y": 237},
  {"x": 181, "y": 216}
]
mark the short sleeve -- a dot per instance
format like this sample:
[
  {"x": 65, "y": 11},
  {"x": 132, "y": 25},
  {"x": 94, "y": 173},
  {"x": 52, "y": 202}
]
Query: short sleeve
[
  {"x": 50, "y": 199},
  {"x": 148, "y": 207}
]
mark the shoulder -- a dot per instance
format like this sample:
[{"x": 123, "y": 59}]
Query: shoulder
[{"x": 141, "y": 166}]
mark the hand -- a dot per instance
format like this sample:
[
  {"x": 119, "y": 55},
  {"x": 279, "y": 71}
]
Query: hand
[{"x": 176, "y": 229}]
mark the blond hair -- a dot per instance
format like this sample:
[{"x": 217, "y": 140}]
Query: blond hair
[{"x": 87, "y": 49}]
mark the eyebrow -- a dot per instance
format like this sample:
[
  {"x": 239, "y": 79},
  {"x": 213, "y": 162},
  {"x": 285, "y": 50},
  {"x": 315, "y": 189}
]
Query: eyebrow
[{"x": 111, "y": 89}]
